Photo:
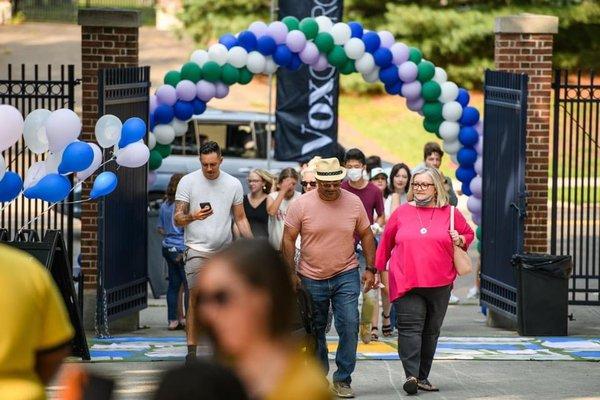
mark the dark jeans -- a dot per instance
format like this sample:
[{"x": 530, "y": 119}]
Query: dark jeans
[
  {"x": 420, "y": 314},
  {"x": 341, "y": 291},
  {"x": 175, "y": 262}
]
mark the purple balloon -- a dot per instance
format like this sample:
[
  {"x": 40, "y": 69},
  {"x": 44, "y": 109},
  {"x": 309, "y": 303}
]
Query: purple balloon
[
  {"x": 479, "y": 146},
  {"x": 476, "y": 219},
  {"x": 278, "y": 31},
  {"x": 166, "y": 94},
  {"x": 205, "y": 90},
  {"x": 411, "y": 90},
  {"x": 479, "y": 127},
  {"x": 153, "y": 103},
  {"x": 415, "y": 104},
  {"x": 295, "y": 41},
  {"x": 474, "y": 205},
  {"x": 400, "y": 53},
  {"x": 479, "y": 166},
  {"x": 259, "y": 28},
  {"x": 387, "y": 39},
  {"x": 222, "y": 90},
  {"x": 186, "y": 90},
  {"x": 476, "y": 187},
  {"x": 408, "y": 71},
  {"x": 310, "y": 53},
  {"x": 321, "y": 64}
]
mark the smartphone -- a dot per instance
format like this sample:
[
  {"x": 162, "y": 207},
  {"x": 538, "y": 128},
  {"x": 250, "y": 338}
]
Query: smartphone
[{"x": 204, "y": 205}]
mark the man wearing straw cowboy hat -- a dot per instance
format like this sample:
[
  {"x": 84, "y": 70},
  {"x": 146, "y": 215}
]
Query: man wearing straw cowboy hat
[{"x": 327, "y": 219}]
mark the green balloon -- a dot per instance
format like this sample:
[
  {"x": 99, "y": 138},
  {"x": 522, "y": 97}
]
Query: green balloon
[
  {"x": 191, "y": 71},
  {"x": 163, "y": 149},
  {"x": 415, "y": 55},
  {"x": 433, "y": 111},
  {"x": 155, "y": 160},
  {"x": 309, "y": 27},
  {"x": 245, "y": 76},
  {"x": 211, "y": 71},
  {"x": 431, "y": 126},
  {"x": 426, "y": 71},
  {"x": 431, "y": 91},
  {"x": 337, "y": 57},
  {"x": 478, "y": 233},
  {"x": 324, "y": 42},
  {"x": 172, "y": 78},
  {"x": 291, "y": 22},
  {"x": 230, "y": 74},
  {"x": 348, "y": 68}
]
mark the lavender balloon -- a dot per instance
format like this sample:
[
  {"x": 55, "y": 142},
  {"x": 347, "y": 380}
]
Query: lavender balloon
[
  {"x": 152, "y": 176},
  {"x": 166, "y": 94},
  {"x": 408, "y": 71},
  {"x": 278, "y": 31},
  {"x": 387, "y": 39},
  {"x": 474, "y": 205},
  {"x": 476, "y": 187},
  {"x": 321, "y": 64},
  {"x": 479, "y": 146},
  {"x": 479, "y": 166},
  {"x": 400, "y": 53},
  {"x": 222, "y": 90},
  {"x": 479, "y": 127},
  {"x": 153, "y": 103},
  {"x": 295, "y": 41},
  {"x": 415, "y": 104},
  {"x": 476, "y": 219},
  {"x": 259, "y": 28},
  {"x": 310, "y": 54},
  {"x": 186, "y": 90},
  {"x": 205, "y": 90},
  {"x": 411, "y": 90}
]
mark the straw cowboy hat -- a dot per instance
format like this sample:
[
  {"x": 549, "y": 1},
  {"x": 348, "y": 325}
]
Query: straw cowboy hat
[{"x": 329, "y": 169}]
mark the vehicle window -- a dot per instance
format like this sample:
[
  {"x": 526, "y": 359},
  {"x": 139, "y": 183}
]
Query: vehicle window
[{"x": 186, "y": 144}]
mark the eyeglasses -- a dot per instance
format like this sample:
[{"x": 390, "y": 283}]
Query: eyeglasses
[
  {"x": 220, "y": 298},
  {"x": 309, "y": 183},
  {"x": 421, "y": 186}
]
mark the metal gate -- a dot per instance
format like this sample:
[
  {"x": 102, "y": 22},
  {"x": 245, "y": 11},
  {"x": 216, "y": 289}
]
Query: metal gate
[
  {"x": 504, "y": 204},
  {"x": 28, "y": 88},
  {"x": 122, "y": 216},
  {"x": 575, "y": 191}
]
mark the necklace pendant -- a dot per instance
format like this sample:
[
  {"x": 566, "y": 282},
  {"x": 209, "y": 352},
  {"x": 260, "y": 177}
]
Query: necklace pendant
[{"x": 423, "y": 231}]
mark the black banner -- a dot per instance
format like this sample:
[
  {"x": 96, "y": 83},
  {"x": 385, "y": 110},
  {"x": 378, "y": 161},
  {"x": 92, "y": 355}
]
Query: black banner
[{"x": 307, "y": 100}]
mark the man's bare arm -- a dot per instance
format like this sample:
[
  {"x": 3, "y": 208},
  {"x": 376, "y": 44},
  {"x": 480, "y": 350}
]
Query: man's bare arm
[
  {"x": 288, "y": 246},
  {"x": 182, "y": 216},
  {"x": 239, "y": 215}
]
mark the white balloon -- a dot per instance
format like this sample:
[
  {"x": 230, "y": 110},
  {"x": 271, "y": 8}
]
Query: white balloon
[
  {"x": 354, "y": 48},
  {"x": 366, "y": 64},
  {"x": 2, "y": 167},
  {"x": 134, "y": 155},
  {"x": 256, "y": 62},
  {"x": 34, "y": 174},
  {"x": 108, "y": 131},
  {"x": 237, "y": 56},
  {"x": 372, "y": 77},
  {"x": 180, "y": 127},
  {"x": 200, "y": 57},
  {"x": 341, "y": 33},
  {"x": 62, "y": 127},
  {"x": 218, "y": 53},
  {"x": 151, "y": 140},
  {"x": 271, "y": 66},
  {"x": 34, "y": 131},
  {"x": 452, "y": 147},
  {"x": 324, "y": 23},
  {"x": 449, "y": 92},
  {"x": 452, "y": 111},
  {"x": 449, "y": 130},
  {"x": 440, "y": 75},
  {"x": 96, "y": 162},
  {"x": 52, "y": 162},
  {"x": 11, "y": 126},
  {"x": 165, "y": 134}
]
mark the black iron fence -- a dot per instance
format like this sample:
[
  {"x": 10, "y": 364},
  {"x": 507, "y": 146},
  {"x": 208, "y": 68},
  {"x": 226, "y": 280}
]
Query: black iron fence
[
  {"x": 29, "y": 88},
  {"x": 575, "y": 189}
]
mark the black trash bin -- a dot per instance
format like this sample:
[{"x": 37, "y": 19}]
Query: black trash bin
[{"x": 542, "y": 294}]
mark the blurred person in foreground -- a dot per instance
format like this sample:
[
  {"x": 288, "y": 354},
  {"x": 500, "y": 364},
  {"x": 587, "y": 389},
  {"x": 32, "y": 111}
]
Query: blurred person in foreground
[
  {"x": 36, "y": 332},
  {"x": 248, "y": 286}
]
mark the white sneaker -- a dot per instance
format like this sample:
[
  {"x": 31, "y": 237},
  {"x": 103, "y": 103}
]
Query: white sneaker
[
  {"x": 473, "y": 293},
  {"x": 453, "y": 299}
]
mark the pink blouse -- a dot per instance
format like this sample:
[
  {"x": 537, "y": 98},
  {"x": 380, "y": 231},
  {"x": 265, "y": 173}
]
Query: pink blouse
[{"x": 416, "y": 259}]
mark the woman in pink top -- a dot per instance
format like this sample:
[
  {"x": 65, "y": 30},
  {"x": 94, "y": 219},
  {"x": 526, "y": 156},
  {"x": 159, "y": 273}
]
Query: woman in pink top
[{"x": 418, "y": 244}]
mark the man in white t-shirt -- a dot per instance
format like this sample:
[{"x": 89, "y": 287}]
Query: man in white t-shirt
[{"x": 205, "y": 202}]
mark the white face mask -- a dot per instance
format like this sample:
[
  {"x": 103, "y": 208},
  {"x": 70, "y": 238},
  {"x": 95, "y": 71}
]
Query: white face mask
[{"x": 354, "y": 174}]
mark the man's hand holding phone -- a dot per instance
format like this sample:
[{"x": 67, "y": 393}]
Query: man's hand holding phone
[{"x": 204, "y": 212}]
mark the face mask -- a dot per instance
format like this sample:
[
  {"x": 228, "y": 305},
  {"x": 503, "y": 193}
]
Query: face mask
[
  {"x": 423, "y": 202},
  {"x": 355, "y": 174}
]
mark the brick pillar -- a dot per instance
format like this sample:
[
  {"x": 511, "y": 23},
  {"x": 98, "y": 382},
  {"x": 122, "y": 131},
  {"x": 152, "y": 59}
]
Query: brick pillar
[
  {"x": 109, "y": 39},
  {"x": 524, "y": 45}
]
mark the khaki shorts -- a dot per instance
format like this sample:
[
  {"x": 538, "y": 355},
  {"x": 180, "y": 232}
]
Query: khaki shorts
[{"x": 194, "y": 260}]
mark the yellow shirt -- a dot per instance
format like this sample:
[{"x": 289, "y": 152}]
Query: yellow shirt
[
  {"x": 302, "y": 380},
  {"x": 33, "y": 318}
]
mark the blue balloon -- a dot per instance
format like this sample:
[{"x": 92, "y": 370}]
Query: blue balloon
[
  {"x": 296, "y": 62},
  {"x": 466, "y": 189},
  {"x": 468, "y": 136},
  {"x": 283, "y": 55},
  {"x": 104, "y": 184},
  {"x": 247, "y": 40},
  {"x": 266, "y": 45},
  {"x": 395, "y": 88},
  {"x": 10, "y": 186},
  {"x": 469, "y": 117},
  {"x": 372, "y": 41},
  {"x": 228, "y": 40},
  {"x": 51, "y": 188},
  {"x": 465, "y": 174},
  {"x": 199, "y": 106},
  {"x": 383, "y": 57},
  {"x": 163, "y": 114},
  {"x": 76, "y": 157},
  {"x": 152, "y": 121},
  {"x": 134, "y": 130},
  {"x": 466, "y": 156},
  {"x": 463, "y": 97},
  {"x": 389, "y": 75},
  {"x": 356, "y": 29},
  {"x": 184, "y": 110}
]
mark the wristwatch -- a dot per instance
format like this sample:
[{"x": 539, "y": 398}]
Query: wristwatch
[{"x": 373, "y": 270}]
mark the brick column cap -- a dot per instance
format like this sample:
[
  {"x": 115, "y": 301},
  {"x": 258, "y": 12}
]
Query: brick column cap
[
  {"x": 526, "y": 23},
  {"x": 111, "y": 17}
]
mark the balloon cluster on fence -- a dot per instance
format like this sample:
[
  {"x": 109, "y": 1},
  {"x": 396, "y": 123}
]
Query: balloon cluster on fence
[
  {"x": 56, "y": 135},
  {"x": 320, "y": 43}
]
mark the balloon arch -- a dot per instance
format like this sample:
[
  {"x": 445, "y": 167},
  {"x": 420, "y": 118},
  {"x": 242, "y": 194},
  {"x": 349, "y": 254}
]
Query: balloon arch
[{"x": 321, "y": 44}]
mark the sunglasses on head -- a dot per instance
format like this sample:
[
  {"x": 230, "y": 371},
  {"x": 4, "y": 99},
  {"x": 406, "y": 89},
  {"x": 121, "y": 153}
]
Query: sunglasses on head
[
  {"x": 307, "y": 183},
  {"x": 219, "y": 298}
]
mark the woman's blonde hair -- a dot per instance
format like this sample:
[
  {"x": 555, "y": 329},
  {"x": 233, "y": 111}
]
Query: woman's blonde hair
[
  {"x": 441, "y": 195},
  {"x": 267, "y": 177}
]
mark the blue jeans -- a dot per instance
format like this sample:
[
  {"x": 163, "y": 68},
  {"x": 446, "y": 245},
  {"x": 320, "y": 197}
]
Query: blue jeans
[
  {"x": 341, "y": 291},
  {"x": 175, "y": 262}
]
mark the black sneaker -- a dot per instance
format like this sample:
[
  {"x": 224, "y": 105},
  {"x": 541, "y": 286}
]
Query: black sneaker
[
  {"x": 411, "y": 385},
  {"x": 190, "y": 358}
]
